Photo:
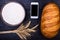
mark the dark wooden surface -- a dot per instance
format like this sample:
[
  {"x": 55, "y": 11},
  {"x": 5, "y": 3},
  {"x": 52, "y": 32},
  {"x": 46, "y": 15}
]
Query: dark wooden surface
[{"x": 26, "y": 4}]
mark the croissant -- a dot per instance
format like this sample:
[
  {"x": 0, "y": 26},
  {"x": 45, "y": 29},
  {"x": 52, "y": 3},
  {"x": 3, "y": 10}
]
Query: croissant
[{"x": 50, "y": 20}]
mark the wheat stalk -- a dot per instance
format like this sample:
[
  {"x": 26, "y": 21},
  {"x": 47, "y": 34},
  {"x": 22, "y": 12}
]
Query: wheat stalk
[{"x": 23, "y": 32}]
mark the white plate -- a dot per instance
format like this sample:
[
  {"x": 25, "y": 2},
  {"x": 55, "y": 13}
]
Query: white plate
[{"x": 13, "y": 13}]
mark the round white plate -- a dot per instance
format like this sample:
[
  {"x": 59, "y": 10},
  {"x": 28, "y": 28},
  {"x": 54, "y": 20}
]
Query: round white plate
[{"x": 13, "y": 13}]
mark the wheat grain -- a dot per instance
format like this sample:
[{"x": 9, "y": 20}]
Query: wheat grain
[{"x": 23, "y": 32}]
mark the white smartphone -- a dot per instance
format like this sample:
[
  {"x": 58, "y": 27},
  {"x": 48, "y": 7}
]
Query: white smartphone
[{"x": 34, "y": 10}]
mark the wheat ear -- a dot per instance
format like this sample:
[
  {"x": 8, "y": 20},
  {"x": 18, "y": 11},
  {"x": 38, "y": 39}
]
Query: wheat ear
[{"x": 23, "y": 32}]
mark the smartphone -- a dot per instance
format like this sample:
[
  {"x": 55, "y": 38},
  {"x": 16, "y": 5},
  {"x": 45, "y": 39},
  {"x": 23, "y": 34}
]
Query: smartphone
[{"x": 34, "y": 10}]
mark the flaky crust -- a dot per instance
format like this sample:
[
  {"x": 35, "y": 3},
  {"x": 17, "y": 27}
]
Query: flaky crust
[{"x": 50, "y": 20}]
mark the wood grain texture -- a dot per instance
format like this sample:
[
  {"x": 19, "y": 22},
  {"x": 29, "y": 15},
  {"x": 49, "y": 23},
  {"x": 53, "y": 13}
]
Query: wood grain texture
[{"x": 50, "y": 20}]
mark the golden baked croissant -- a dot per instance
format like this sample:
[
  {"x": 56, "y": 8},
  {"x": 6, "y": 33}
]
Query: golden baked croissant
[{"x": 50, "y": 20}]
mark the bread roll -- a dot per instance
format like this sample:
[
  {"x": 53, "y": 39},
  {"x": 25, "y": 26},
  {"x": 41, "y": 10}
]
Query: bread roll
[{"x": 50, "y": 20}]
